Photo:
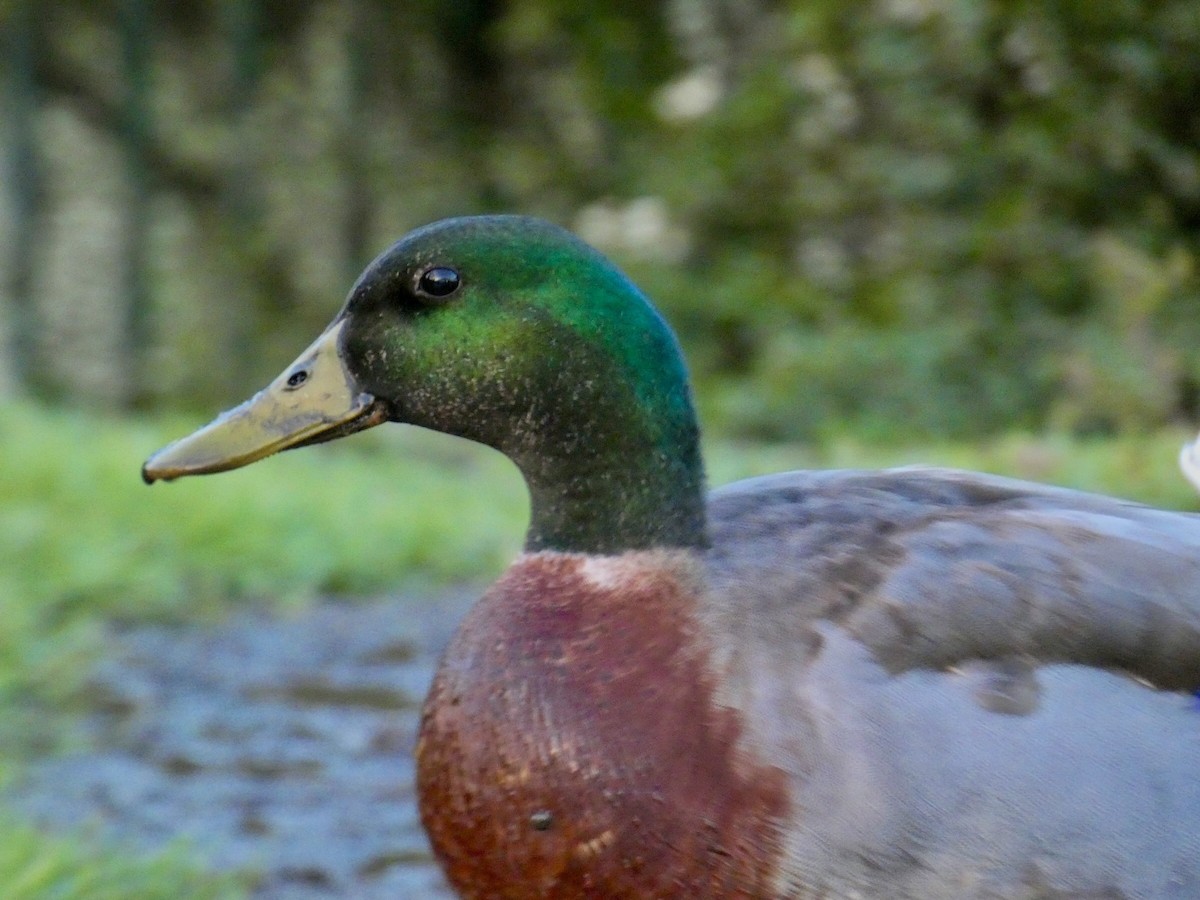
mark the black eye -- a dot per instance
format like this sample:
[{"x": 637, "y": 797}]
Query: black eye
[{"x": 438, "y": 283}]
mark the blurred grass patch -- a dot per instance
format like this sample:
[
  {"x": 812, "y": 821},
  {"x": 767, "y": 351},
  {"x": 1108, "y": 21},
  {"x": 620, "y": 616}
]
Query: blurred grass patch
[
  {"x": 34, "y": 866},
  {"x": 1139, "y": 467},
  {"x": 85, "y": 541}
]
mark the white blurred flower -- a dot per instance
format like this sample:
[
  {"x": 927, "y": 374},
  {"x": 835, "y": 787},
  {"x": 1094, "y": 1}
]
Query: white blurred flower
[
  {"x": 824, "y": 260},
  {"x": 693, "y": 96},
  {"x": 841, "y": 112},
  {"x": 1021, "y": 49},
  {"x": 642, "y": 228},
  {"x": 599, "y": 224},
  {"x": 832, "y": 109},
  {"x": 816, "y": 73},
  {"x": 908, "y": 12},
  {"x": 1038, "y": 79},
  {"x": 646, "y": 221}
]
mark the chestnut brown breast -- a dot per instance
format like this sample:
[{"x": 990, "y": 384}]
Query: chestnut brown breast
[{"x": 571, "y": 745}]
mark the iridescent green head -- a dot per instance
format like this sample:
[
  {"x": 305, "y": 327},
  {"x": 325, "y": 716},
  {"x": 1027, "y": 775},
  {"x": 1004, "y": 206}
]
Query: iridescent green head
[{"x": 512, "y": 332}]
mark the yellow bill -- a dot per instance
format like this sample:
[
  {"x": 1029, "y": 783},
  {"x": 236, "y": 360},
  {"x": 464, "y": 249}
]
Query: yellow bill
[{"x": 314, "y": 400}]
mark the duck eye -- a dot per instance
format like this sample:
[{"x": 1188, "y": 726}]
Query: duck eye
[{"x": 438, "y": 283}]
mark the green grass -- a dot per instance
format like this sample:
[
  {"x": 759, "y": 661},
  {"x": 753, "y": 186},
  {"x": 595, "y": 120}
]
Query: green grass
[
  {"x": 85, "y": 541},
  {"x": 85, "y": 544},
  {"x": 34, "y": 866}
]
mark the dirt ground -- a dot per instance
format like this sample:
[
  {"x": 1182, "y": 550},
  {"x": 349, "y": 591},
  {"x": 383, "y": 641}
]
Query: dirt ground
[{"x": 281, "y": 746}]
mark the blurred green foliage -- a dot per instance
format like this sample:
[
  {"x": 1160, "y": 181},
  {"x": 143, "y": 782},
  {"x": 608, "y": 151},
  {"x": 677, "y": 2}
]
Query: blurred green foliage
[
  {"x": 941, "y": 217},
  {"x": 898, "y": 218},
  {"x": 36, "y": 867}
]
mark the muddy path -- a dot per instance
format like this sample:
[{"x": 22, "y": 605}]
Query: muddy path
[{"x": 276, "y": 745}]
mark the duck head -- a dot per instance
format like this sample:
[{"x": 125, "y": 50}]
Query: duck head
[{"x": 511, "y": 332}]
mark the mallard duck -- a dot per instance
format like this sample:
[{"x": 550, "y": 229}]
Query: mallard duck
[{"x": 914, "y": 684}]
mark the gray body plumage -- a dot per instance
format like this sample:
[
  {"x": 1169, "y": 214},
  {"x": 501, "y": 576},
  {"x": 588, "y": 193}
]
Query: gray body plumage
[{"x": 981, "y": 686}]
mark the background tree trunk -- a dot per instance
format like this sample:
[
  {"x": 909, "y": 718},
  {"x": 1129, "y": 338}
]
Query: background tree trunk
[
  {"x": 136, "y": 30},
  {"x": 22, "y": 40}
]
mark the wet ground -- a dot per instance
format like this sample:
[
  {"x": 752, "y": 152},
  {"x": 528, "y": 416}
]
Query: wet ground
[{"x": 278, "y": 746}]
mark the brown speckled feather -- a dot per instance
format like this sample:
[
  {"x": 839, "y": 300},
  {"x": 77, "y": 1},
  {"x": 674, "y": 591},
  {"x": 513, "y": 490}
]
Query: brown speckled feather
[{"x": 571, "y": 746}]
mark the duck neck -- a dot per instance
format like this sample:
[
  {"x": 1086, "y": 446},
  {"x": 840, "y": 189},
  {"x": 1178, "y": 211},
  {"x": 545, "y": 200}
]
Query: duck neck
[
  {"x": 610, "y": 448},
  {"x": 608, "y": 492}
]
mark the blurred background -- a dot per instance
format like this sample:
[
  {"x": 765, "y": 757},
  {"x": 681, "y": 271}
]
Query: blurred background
[
  {"x": 887, "y": 231},
  {"x": 903, "y": 217}
]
